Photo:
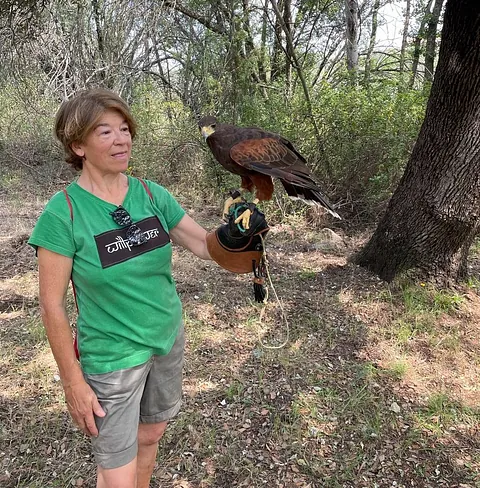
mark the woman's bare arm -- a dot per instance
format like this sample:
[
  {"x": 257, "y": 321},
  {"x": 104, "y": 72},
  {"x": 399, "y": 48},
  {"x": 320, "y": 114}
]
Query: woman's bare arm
[
  {"x": 54, "y": 275},
  {"x": 192, "y": 236}
]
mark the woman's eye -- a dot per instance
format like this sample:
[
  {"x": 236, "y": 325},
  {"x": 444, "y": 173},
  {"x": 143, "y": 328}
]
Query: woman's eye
[{"x": 125, "y": 129}]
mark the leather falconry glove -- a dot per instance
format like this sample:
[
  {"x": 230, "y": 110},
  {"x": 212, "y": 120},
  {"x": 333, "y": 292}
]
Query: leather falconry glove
[{"x": 242, "y": 250}]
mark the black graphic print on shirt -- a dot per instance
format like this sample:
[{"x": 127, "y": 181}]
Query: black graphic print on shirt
[{"x": 113, "y": 246}]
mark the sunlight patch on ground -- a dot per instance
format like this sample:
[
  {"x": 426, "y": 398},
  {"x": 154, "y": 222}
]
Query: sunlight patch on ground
[
  {"x": 25, "y": 285},
  {"x": 193, "y": 388},
  {"x": 14, "y": 314},
  {"x": 362, "y": 389}
]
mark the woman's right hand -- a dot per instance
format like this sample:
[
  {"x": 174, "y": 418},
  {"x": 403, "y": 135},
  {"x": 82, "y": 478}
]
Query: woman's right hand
[
  {"x": 54, "y": 272},
  {"x": 83, "y": 404}
]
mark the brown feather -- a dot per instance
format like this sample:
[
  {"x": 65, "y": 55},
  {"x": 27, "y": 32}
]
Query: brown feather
[
  {"x": 263, "y": 185},
  {"x": 267, "y": 151}
]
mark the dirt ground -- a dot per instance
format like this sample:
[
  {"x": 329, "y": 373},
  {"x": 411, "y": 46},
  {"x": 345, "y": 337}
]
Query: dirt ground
[{"x": 343, "y": 381}]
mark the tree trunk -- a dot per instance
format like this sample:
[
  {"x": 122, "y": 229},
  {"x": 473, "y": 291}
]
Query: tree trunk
[
  {"x": 431, "y": 40},
  {"x": 278, "y": 57},
  {"x": 258, "y": 68},
  {"x": 263, "y": 49},
  {"x": 373, "y": 40},
  {"x": 417, "y": 45},
  {"x": 435, "y": 209},
  {"x": 303, "y": 82},
  {"x": 287, "y": 22},
  {"x": 403, "y": 49},
  {"x": 97, "y": 15},
  {"x": 351, "y": 37}
]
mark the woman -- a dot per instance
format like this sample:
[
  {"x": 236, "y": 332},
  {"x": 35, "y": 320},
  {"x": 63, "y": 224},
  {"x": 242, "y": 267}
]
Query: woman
[{"x": 110, "y": 234}]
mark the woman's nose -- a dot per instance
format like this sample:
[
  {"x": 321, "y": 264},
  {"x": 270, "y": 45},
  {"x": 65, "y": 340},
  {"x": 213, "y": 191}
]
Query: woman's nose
[{"x": 121, "y": 136}]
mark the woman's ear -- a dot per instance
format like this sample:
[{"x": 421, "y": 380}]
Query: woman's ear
[{"x": 78, "y": 149}]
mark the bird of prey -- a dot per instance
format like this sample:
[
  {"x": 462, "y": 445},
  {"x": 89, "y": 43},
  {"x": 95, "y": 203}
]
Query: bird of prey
[{"x": 256, "y": 156}]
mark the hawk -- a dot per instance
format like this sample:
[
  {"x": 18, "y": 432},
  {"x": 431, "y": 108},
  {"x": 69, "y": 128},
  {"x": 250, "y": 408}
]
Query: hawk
[{"x": 257, "y": 156}]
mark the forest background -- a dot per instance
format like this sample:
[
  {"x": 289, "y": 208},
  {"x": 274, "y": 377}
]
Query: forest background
[
  {"x": 350, "y": 102},
  {"x": 369, "y": 384}
]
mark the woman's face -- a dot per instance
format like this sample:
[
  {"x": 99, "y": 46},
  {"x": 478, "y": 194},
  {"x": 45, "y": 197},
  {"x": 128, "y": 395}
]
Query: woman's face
[{"x": 108, "y": 146}]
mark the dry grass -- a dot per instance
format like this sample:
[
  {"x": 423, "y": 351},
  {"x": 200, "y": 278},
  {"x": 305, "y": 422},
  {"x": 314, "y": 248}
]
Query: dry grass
[{"x": 376, "y": 387}]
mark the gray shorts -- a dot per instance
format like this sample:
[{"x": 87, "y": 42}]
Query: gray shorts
[{"x": 148, "y": 393}]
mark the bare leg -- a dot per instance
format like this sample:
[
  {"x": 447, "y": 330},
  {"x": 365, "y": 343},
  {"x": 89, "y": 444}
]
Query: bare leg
[
  {"x": 122, "y": 477},
  {"x": 146, "y": 463},
  {"x": 148, "y": 438}
]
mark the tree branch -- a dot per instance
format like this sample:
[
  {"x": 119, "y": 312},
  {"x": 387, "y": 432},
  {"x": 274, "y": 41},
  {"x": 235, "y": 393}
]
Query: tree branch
[{"x": 204, "y": 21}]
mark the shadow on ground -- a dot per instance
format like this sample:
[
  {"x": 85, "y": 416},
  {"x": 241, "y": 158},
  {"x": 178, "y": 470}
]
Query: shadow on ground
[{"x": 314, "y": 413}]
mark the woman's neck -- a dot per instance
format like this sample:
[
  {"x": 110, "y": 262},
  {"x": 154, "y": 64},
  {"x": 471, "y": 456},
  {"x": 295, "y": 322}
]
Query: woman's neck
[{"x": 109, "y": 187}]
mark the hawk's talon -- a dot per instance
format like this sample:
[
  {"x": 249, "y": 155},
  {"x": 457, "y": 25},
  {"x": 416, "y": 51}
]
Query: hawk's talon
[
  {"x": 228, "y": 203},
  {"x": 245, "y": 219}
]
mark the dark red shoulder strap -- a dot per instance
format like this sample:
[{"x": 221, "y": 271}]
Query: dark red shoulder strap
[
  {"x": 69, "y": 204},
  {"x": 75, "y": 340},
  {"x": 146, "y": 188}
]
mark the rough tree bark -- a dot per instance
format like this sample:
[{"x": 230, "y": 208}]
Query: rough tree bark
[
  {"x": 296, "y": 63},
  {"x": 435, "y": 210},
  {"x": 351, "y": 36},
  {"x": 288, "y": 27},
  {"x": 278, "y": 61}
]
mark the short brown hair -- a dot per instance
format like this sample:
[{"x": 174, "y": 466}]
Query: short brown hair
[{"x": 77, "y": 117}]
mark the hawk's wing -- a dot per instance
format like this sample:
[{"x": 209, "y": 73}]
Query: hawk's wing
[{"x": 271, "y": 157}]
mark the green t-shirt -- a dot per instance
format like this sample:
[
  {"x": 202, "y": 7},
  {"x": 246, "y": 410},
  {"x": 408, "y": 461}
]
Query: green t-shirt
[{"x": 128, "y": 307}]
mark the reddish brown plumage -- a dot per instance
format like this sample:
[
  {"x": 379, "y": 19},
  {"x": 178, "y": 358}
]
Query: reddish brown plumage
[
  {"x": 257, "y": 156},
  {"x": 263, "y": 185}
]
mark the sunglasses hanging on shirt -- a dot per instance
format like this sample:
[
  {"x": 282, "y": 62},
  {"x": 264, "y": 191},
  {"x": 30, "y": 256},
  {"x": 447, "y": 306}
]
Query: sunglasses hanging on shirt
[{"x": 134, "y": 235}]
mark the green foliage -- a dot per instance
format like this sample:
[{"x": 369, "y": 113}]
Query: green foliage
[
  {"x": 307, "y": 274},
  {"x": 26, "y": 115},
  {"x": 36, "y": 330},
  {"x": 161, "y": 137},
  {"x": 234, "y": 390},
  {"x": 398, "y": 369},
  {"x": 359, "y": 155},
  {"x": 423, "y": 312},
  {"x": 441, "y": 412},
  {"x": 475, "y": 248},
  {"x": 426, "y": 298},
  {"x": 473, "y": 282},
  {"x": 366, "y": 135},
  {"x": 27, "y": 145},
  {"x": 224, "y": 59}
]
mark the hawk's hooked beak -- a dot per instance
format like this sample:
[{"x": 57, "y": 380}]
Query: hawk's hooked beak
[{"x": 207, "y": 131}]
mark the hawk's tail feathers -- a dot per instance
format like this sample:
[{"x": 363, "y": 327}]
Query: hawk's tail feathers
[{"x": 310, "y": 197}]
